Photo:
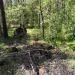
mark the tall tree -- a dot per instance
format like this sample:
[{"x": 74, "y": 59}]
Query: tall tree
[{"x": 5, "y": 32}]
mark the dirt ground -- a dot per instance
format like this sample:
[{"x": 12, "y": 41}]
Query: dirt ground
[{"x": 36, "y": 59}]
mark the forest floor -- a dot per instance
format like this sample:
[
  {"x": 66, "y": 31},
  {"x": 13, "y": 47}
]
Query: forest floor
[
  {"x": 22, "y": 57},
  {"x": 38, "y": 58}
]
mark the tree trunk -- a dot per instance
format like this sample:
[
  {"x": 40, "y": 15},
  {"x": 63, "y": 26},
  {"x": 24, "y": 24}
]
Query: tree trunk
[
  {"x": 5, "y": 32},
  {"x": 39, "y": 20},
  {"x": 0, "y": 31},
  {"x": 42, "y": 19}
]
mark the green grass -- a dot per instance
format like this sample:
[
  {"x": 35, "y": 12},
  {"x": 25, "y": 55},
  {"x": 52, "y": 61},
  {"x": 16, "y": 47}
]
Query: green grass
[
  {"x": 11, "y": 32},
  {"x": 72, "y": 42},
  {"x": 72, "y": 63},
  {"x": 2, "y": 45},
  {"x": 71, "y": 45},
  {"x": 34, "y": 33},
  {"x": 31, "y": 32}
]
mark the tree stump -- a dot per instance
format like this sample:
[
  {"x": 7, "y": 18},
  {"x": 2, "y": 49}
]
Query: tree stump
[{"x": 20, "y": 32}]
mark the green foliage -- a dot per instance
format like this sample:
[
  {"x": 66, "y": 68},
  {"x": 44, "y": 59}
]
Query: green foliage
[{"x": 59, "y": 18}]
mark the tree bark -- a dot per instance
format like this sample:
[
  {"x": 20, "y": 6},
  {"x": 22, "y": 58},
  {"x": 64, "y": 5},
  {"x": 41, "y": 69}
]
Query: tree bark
[{"x": 5, "y": 31}]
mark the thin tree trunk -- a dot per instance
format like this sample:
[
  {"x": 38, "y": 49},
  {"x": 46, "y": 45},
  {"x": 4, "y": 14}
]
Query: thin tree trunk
[
  {"x": 0, "y": 31},
  {"x": 42, "y": 20},
  {"x": 5, "y": 32},
  {"x": 33, "y": 21},
  {"x": 39, "y": 20}
]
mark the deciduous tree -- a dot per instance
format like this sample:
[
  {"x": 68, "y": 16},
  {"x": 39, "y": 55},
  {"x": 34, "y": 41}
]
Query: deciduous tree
[{"x": 5, "y": 32}]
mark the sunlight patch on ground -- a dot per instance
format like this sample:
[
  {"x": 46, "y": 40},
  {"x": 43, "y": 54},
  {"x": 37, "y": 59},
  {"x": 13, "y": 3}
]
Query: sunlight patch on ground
[{"x": 33, "y": 31}]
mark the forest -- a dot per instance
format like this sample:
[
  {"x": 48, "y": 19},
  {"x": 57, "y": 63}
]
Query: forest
[{"x": 37, "y": 37}]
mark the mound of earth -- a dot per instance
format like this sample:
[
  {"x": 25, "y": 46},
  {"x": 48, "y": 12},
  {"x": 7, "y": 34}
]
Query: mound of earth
[{"x": 36, "y": 59}]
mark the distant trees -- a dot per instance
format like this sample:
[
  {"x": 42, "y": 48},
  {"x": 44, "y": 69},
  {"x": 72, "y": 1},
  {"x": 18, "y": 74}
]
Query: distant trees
[
  {"x": 4, "y": 25},
  {"x": 52, "y": 17}
]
